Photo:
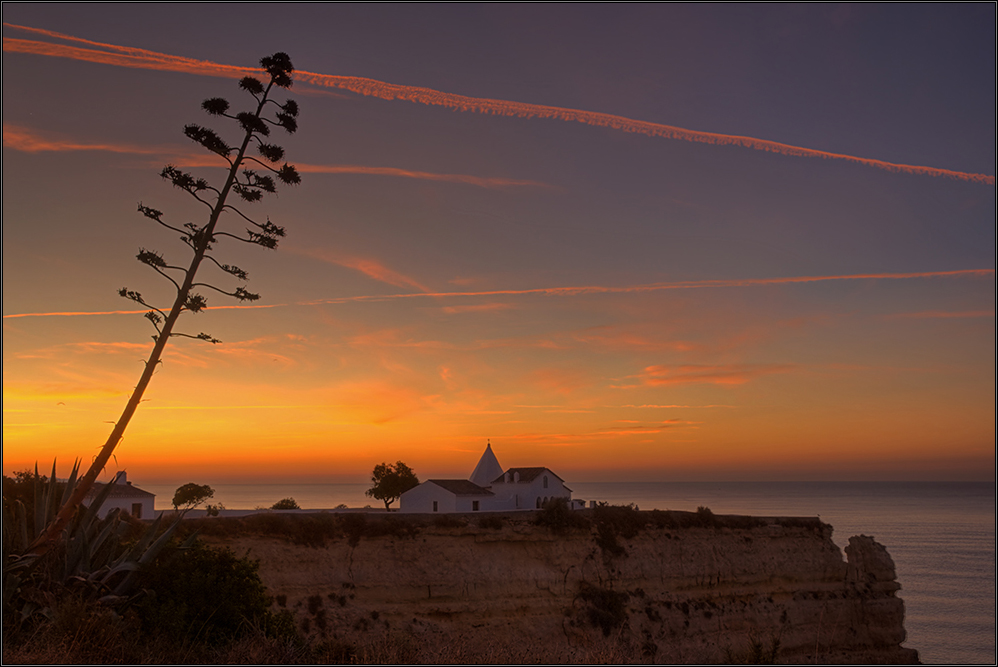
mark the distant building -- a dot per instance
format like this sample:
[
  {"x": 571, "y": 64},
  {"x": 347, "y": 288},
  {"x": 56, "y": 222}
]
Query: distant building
[
  {"x": 530, "y": 488},
  {"x": 489, "y": 489},
  {"x": 129, "y": 499}
]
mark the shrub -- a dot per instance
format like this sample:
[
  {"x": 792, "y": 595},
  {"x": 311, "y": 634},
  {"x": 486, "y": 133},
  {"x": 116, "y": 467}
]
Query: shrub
[
  {"x": 448, "y": 521},
  {"x": 391, "y": 526},
  {"x": 203, "y": 594},
  {"x": 606, "y": 609},
  {"x": 626, "y": 520},
  {"x": 705, "y": 517},
  {"x": 354, "y": 525},
  {"x": 757, "y": 653},
  {"x": 616, "y": 520},
  {"x": 285, "y": 504},
  {"x": 556, "y": 515}
]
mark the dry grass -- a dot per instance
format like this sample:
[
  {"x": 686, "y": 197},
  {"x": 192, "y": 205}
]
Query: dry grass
[{"x": 391, "y": 647}]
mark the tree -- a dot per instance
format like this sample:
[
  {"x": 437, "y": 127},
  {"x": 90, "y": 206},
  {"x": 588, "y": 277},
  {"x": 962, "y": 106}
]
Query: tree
[
  {"x": 390, "y": 482},
  {"x": 250, "y": 185},
  {"x": 213, "y": 509},
  {"x": 285, "y": 504},
  {"x": 191, "y": 495}
]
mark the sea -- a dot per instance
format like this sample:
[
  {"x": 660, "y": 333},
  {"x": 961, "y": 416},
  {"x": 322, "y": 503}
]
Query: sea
[{"x": 941, "y": 536}]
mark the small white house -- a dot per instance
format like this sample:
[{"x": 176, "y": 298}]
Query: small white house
[
  {"x": 489, "y": 490},
  {"x": 130, "y": 499},
  {"x": 446, "y": 495}
]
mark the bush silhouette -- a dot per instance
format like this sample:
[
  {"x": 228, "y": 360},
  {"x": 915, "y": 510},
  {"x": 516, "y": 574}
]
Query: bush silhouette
[{"x": 285, "y": 504}]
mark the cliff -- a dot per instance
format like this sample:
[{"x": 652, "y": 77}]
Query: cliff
[{"x": 632, "y": 587}]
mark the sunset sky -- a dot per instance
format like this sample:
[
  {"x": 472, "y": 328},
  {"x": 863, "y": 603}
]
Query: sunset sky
[{"x": 705, "y": 242}]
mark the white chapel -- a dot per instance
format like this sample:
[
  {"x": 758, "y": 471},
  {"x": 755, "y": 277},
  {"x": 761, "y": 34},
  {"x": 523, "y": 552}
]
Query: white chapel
[{"x": 489, "y": 489}]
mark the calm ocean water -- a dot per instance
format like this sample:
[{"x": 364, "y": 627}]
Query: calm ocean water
[{"x": 940, "y": 534}]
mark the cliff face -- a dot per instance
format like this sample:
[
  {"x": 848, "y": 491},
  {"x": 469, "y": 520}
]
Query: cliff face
[{"x": 517, "y": 592}]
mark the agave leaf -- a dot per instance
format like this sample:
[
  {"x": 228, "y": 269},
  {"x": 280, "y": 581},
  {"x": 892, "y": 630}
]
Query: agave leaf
[
  {"x": 50, "y": 491},
  {"x": 189, "y": 542},
  {"x": 28, "y": 609},
  {"x": 102, "y": 547},
  {"x": 111, "y": 600},
  {"x": 96, "y": 503},
  {"x": 70, "y": 486},
  {"x": 112, "y": 549},
  {"x": 154, "y": 550},
  {"x": 145, "y": 540},
  {"x": 11, "y": 585},
  {"x": 21, "y": 522},
  {"x": 77, "y": 553},
  {"x": 39, "y": 517},
  {"x": 129, "y": 566},
  {"x": 148, "y": 554}
]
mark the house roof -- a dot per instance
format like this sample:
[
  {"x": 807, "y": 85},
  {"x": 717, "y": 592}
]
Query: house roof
[
  {"x": 461, "y": 487},
  {"x": 125, "y": 490},
  {"x": 487, "y": 469},
  {"x": 527, "y": 475}
]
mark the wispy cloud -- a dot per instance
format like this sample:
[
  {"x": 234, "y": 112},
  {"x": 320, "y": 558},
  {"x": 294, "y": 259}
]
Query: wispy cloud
[
  {"x": 482, "y": 182},
  {"x": 670, "y": 407},
  {"x": 730, "y": 374},
  {"x": 559, "y": 380},
  {"x": 559, "y": 291},
  {"x": 567, "y": 439},
  {"x": 613, "y": 338},
  {"x": 111, "y": 54},
  {"x": 371, "y": 268},
  {"x": 72, "y": 313},
  {"x": 477, "y": 308},
  {"x": 27, "y": 140},
  {"x": 693, "y": 284},
  {"x": 942, "y": 314}
]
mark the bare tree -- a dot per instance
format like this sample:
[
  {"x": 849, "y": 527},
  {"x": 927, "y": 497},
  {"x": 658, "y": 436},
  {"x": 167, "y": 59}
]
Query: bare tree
[{"x": 250, "y": 184}]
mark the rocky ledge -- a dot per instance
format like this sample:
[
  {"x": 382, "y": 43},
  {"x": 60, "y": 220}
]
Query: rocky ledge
[{"x": 621, "y": 586}]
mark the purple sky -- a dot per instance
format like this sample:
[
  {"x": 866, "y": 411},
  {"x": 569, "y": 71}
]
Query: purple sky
[{"x": 845, "y": 378}]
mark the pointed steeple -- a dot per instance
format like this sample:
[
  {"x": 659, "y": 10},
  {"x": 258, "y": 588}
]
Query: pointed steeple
[{"x": 488, "y": 468}]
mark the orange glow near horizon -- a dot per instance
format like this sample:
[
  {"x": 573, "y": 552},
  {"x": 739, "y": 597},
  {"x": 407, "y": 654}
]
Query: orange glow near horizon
[{"x": 433, "y": 403}]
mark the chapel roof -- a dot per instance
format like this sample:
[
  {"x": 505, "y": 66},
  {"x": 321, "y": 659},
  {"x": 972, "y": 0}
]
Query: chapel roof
[
  {"x": 120, "y": 491},
  {"x": 488, "y": 468},
  {"x": 526, "y": 474},
  {"x": 461, "y": 487}
]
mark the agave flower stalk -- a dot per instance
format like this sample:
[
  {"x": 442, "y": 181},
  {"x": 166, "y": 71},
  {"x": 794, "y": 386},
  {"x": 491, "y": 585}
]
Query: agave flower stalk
[{"x": 250, "y": 185}]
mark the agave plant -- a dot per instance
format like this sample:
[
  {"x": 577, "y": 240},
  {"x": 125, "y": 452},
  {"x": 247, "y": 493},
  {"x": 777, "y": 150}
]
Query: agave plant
[{"x": 98, "y": 558}]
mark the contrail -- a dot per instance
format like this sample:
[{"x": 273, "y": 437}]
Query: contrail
[
  {"x": 574, "y": 291},
  {"x": 25, "y": 140},
  {"x": 142, "y": 58},
  {"x": 655, "y": 287},
  {"x": 482, "y": 182}
]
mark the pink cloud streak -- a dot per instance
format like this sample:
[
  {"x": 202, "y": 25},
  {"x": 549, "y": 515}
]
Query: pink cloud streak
[
  {"x": 565, "y": 291},
  {"x": 27, "y": 141},
  {"x": 732, "y": 374}
]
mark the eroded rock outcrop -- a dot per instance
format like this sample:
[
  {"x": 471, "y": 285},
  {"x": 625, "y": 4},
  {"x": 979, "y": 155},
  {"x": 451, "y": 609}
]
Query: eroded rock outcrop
[{"x": 518, "y": 592}]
